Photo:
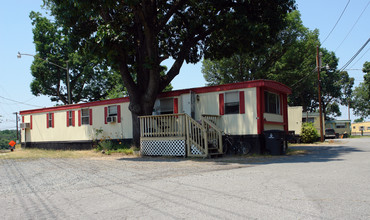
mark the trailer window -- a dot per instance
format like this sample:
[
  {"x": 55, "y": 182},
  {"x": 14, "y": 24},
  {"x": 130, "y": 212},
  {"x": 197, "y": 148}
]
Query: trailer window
[
  {"x": 272, "y": 103},
  {"x": 309, "y": 120},
  {"x": 85, "y": 116},
  {"x": 166, "y": 106},
  {"x": 70, "y": 118},
  {"x": 232, "y": 103},
  {"x": 112, "y": 110},
  {"x": 50, "y": 120}
]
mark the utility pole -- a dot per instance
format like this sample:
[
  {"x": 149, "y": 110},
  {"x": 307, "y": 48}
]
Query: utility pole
[
  {"x": 318, "y": 61},
  {"x": 349, "y": 110},
  {"x": 16, "y": 124}
]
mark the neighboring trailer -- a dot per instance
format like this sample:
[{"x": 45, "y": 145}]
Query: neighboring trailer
[
  {"x": 294, "y": 123},
  {"x": 244, "y": 109},
  {"x": 342, "y": 128},
  {"x": 314, "y": 118},
  {"x": 295, "y": 119},
  {"x": 361, "y": 128}
]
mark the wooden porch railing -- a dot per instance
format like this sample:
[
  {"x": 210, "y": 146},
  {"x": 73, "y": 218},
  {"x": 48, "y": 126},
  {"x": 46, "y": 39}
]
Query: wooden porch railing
[
  {"x": 157, "y": 126},
  {"x": 172, "y": 126}
]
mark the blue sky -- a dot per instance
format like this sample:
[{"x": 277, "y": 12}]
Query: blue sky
[{"x": 16, "y": 35}]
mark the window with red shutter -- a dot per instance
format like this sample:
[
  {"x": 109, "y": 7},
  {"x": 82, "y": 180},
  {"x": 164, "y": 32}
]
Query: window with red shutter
[{"x": 85, "y": 116}]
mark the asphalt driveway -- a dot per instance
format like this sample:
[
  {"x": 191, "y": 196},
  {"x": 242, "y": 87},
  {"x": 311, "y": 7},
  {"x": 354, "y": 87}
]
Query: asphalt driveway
[{"x": 330, "y": 182}]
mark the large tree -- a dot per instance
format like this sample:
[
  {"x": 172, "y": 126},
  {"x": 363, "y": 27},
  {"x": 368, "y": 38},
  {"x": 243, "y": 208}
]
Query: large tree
[
  {"x": 249, "y": 65},
  {"x": 90, "y": 79},
  {"x": 290, "y": 60},
  {"x": 361, "y": 95},
  {"x": 136, "y": 36}
]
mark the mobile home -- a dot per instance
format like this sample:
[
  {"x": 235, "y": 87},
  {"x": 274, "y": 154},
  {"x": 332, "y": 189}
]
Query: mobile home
[
  {"x": 242, "y": 110},
  {"x": 342, "y": 128},
  {"x": 361, "y": 128}
]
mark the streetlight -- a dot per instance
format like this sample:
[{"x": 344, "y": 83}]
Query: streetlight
[{"x": 19, "y": 55}]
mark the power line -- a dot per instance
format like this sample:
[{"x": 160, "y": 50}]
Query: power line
[
  {"x": 23, "y": 103},
  {"x": 354, "y": 56},
  {"x": 312, "y": 71},
  {"x": 360, "y": 57},
  {"x": 352, "y": 27},
  {"x": 336, "y": 22}
]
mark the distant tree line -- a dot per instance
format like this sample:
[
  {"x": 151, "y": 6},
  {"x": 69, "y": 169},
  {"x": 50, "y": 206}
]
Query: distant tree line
[{"x": 6, "y": 136}]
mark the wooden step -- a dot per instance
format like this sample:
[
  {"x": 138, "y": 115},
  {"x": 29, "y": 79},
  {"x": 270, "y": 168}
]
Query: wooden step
[{"x": 215, "y": 155}]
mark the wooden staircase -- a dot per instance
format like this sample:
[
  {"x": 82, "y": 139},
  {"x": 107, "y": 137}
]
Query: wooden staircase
[{"x": 213, "y": 152}]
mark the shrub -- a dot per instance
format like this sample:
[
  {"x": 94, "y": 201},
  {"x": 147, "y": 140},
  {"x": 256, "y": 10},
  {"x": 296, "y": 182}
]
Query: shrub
[
  {"x": 106, "y": 145},
  {"x": 309, "y": 133},
  {"x": 113, "y": 146}
]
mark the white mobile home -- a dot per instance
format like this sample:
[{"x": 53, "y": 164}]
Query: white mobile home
[{"x": 242, "y": 110}]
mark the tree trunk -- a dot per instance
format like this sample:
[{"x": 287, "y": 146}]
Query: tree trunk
[
  {"x": 144, "y": 107},
  {"x": 135, "y": 129}
]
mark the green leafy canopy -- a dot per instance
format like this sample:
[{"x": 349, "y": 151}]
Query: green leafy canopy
[{"x": 134, "y": 37}]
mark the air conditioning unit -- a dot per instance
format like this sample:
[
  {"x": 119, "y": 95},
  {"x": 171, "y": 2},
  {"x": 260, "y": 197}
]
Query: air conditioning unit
[
  {"x": 25, "y": 125},
  {"x": 111, "y": 119}
]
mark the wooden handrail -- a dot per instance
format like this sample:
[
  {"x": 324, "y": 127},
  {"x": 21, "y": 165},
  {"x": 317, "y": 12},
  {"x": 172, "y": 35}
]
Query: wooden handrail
[
  {"x": 196, "y": 136},
  {"x": 214, "y": 133},
  {"x": 215, "y": 119}
]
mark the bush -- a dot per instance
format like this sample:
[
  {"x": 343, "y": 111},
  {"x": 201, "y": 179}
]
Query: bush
[
  {"x": 309, "y": 133},
  {"x": 113, "y": 146}
]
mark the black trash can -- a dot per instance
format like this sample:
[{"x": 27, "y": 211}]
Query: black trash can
[{"x": 274, "y": 142}]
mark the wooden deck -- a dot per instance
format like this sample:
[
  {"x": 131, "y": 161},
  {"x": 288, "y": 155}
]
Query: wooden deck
[{"x": 202, "y": 138}]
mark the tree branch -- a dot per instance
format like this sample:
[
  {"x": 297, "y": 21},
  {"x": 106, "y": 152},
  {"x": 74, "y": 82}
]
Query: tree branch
[
  {"x": 175, "y": 69},
  {"x": 125, "y": 73},
  {"x": 170, "y": 13}
]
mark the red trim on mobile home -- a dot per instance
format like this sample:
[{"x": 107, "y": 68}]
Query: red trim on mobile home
[
  {"x": 221, "y": 104},
  {"x": 91, "y": 119},
  {"x": 175, "y": 105},
  {"x": 52, "y": 120},
  {"x": 73, "y": 118},
  {"x": 260, "y": 110},
  {"x": 67, "y": 113},
  {"x": 79, "y": 117},
  {"x": 47, "y": 120},
  {"x": 266, "y": 84},
  {"x": 274, "y": 122},
  {"x": 285, "y": 112},
  {"x": 118, "y": 113},
  {"x": 105, "y": 115},
  {"x": 241, "y": 102}
]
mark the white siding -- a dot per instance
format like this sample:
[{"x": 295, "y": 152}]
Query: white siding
[
  {"x": 234, "y": 124},
  {"x": 60, "y": 132},
  {"x": 295, "y": 119}
]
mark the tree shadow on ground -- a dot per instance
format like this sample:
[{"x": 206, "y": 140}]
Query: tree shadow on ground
[{"x": 312, "y": 153}]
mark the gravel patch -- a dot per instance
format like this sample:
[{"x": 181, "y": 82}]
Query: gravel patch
[{"x": 49, "y": 188}]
